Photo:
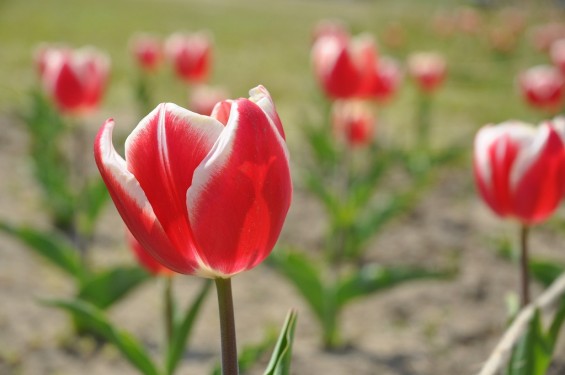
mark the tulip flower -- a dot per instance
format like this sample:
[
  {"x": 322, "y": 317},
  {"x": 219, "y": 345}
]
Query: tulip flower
[
  {"x": 147, "y": 52},
  {"x": 182, "y": 172},
  {"x": 353, "y": 121},
  {"x": 543, "y": 87},
  {"x": 75, "y": 79},
  {"x": 343, "y": 66},
  {"x": 203, "y": 99},
  {"x": 191, "y": 55},
  {"x": 204, "y": 195},
  {"x": 428, "y": 69},
  {"x": 519, "y": 174},
  {"x": 519, "y": 170}
]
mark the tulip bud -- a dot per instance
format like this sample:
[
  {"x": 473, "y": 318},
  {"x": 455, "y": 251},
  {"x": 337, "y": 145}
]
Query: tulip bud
[
  {"x": 353, "y": 121},
  {"x": 191, "y": 55},
  {"x": 342, "y": 67},
  {"x": 519, "y": 169},
  {"x": 428, "y": 69},
  {"x": 543, "y": 87},
  {"x": 75, "y": 79},
  {"x": 147, "y": 52}
]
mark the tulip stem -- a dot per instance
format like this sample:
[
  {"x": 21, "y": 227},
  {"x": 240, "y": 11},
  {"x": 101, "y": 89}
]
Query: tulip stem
[
  {"x": 524, "y": 270},
  {"x": 168, "y": 309},
  {"x": 423, "y": 120},
  {"x": 227, "y": 327}
]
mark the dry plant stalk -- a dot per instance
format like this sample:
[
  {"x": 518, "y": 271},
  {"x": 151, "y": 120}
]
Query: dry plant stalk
[{"x": 501, "y": 353}]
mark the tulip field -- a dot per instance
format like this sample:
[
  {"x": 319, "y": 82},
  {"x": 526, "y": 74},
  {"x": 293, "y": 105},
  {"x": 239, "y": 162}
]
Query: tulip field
[{"x": 282, "y": 187}]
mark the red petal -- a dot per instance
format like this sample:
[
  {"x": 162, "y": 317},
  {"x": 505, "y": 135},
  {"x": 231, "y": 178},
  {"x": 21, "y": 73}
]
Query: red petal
[
  {"x": 162, "y": 153},
  {"x": 540, "y": 189},
  {"x": 133, "y": 206},
  {"x": 241, "y": 193}
]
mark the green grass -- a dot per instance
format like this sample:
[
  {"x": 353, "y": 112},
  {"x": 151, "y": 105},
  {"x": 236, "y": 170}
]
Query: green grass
[{"x": 268, "y": 42}]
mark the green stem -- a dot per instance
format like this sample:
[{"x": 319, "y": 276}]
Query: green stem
[
  {"x": 168, "y": 309},
  {"x": 423, "y": 120},
  {"x": 227, "y": 327},
  {"x": 524, "y": 270}
]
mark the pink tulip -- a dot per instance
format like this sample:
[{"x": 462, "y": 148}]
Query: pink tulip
[
  {"x": 519, "y": 169},
  {"x": 191, "y": 55},
  {"x": 144, "y": 258},
  {"x": 543, "y": 87},
  {"x": 205, "y": 196},
  {"x": 428, "y": 69},
  {"x": 353, "y": 121},
  {"x": 147, "y": 51},
  {"x": 203, "y": 99},
  {"x": 75, "y": 79},
  {"x": 343, "y": 66}
]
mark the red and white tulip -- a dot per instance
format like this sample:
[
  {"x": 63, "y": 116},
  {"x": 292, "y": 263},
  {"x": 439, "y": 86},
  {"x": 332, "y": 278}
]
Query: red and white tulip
[
  {"x": 353, "y": 121},
  {"x": 147, "y": 51},
  {"x": 428, "y": 70},
  {"x": 543, "y": 87},
  {"x": 204, "y": 195},
  {"x": 74, "y": 79},
  {"x": 343, "y": 66},
  {"x": 191, "y": 55},
  {"x": 519, "y": 169}
]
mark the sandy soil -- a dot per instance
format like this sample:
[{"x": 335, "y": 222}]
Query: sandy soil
[{"x": 435, "y": 327}]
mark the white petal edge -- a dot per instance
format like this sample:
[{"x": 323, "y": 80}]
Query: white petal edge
[
  {"x": 115, "y": 165},
  {"x": 517, "y": 130}
]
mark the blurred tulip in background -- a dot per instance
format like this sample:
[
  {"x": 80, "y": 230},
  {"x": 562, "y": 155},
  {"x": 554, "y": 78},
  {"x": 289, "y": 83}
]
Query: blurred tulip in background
[
  {"x": 191, "y": 55},
  {"x": 75, "y": 80},
  {"x": 543, "y": 87},
  {"x": 147, "y": 51}
]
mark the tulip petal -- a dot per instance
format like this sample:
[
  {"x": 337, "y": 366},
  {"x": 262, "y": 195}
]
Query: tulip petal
[
  {"x": 537, "y": 178},
  {"x": 132, "y": 204},
  {"x": 496, "y": 148},
  {"x": 162, "y": 153},
  {"x": 260, "y": 96},
  {"x": 240, "y": 193}
]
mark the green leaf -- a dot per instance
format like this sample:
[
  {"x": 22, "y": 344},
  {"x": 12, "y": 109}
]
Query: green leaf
[
  {"x": 105, "y": 288},
  {"x": 282, "y": 355},
  {"x": 304, "y": 275},
  {"x": 545, "y": 271},
  {"x": 374, "y": 221},
  {"x": 50, "y": 246},
  {"x": 532, "y": 355},
  {"x": 374, "y": 278},
  {"x": 559, "y": 317},
  {"x": 322, "y": 145},
  {"x": 131, "y": 349},
  {"x": 46, "y": 129},
  {"x": 318, "y": 187},
  {"x": 94, "y": 197},
  {"x": 183, "y": 328}
]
